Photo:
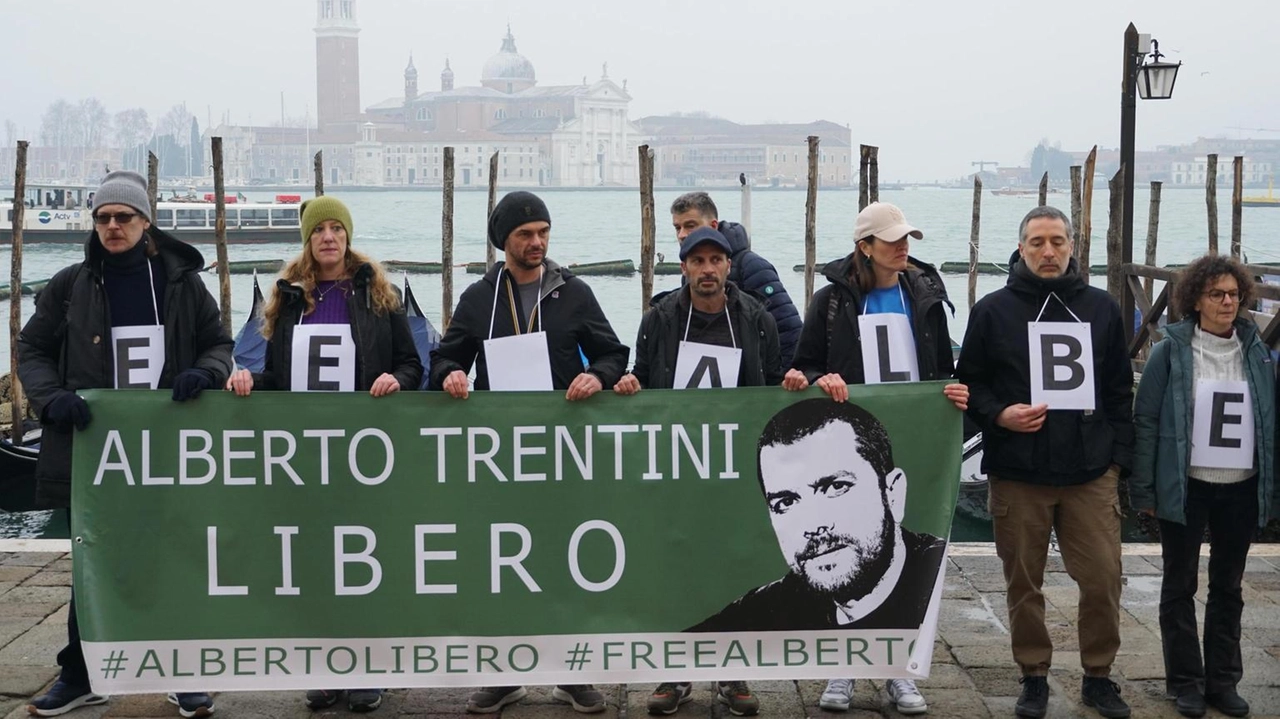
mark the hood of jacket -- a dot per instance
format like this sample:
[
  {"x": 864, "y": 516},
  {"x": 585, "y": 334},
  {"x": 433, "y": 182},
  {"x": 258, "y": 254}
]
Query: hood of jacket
[
  {"x": 179, "y": 258},
  {"x": 736, "y": 234},
  {"x": 923, "y": 278},
  {"x": 1182, "y": 331},
  {"x": 553, "y": 275}
]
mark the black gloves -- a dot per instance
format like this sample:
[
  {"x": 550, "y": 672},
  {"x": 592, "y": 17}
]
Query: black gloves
[
  {"x": 190, "y": 383},
  {"x": 67, "y": 410}
]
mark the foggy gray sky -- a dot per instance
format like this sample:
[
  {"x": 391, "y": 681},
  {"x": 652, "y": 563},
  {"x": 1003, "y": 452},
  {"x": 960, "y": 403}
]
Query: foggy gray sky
[{"x": 934, "y": 83}]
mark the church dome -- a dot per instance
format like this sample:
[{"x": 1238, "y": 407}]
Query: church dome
[{"x": 508, "y": 71}]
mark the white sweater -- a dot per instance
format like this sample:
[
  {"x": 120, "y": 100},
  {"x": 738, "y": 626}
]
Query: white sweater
[{"x": 1216, "y": 357}]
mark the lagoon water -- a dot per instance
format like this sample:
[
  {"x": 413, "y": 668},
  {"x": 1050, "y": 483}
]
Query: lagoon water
[{"x": 592, "y": 226}]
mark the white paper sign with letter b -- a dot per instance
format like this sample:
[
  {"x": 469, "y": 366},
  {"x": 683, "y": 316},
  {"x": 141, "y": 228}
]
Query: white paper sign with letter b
[
  {"x": 1222, "y": 432},
  {"x": 700, "y": 366},
  {"x": 139, "y": 354},
  {"x": 1061, "y": 365},
  {"x": 324, "y": 359},
  {"x": 888, "y": 349}
]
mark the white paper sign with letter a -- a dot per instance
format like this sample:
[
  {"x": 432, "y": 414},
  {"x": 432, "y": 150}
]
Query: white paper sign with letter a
[
  {"x": 1061, "y": 365},
  {"x": 700, "y": 366},
  {"x": 324, "y": 359},
  {"x": 139, "y": 355},
  {"x": 888, "y": 349},
  {"x": 1222, "y": 433}
]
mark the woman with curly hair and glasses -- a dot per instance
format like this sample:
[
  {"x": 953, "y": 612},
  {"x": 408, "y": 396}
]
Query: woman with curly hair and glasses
[
  {"x": 1205, "y": 444},
  {"x": 334, "y": 322}
]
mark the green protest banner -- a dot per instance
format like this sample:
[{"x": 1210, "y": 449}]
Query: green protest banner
[{"x": 291, "y": 541}]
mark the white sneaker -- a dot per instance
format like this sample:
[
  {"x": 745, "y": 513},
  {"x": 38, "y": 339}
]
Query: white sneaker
[
  {"x": 837, "y": 696},
  {"x": 904, "y": 693}
]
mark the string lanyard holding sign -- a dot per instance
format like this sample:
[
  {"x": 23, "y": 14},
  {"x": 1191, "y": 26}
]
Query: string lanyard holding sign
[
  {"x": 1222, "y": 431},
  {"x": 700, "y": 365},
  {"x": 138, "y": 350},
  {"x": 1061, "y": 360},
  {"x": 887, "y": 340},
  {"x": 522, "y": 361}
]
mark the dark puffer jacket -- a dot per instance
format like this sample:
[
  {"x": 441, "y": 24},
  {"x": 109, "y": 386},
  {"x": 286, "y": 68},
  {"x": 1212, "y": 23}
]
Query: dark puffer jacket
[
  {"x": 1072, "y": 446},
  {"x": 384, "y": 343},
  {"x": 663, "y": 327},
  {"x": 756, "y": 275},
  {"x": 843, "y": 353},
  {"x": 571, "y": 317},
  {"x": 66, "y": 345}
]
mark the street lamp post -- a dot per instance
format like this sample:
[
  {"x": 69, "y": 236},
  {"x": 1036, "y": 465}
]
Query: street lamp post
[{"x": 1154, "y": 81}]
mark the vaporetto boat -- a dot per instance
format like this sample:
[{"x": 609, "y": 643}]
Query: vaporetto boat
[{"x": 63, "y": 214}]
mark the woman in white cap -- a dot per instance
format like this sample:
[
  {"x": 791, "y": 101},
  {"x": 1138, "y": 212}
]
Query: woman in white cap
[{"x": 878, "y": 285}]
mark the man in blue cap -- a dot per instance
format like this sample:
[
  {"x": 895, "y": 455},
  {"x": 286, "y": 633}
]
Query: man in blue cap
[{"x": 707, "y": 333}]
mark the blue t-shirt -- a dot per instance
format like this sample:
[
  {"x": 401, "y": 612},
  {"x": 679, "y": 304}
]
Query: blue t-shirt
[{"x": 887, "y": 299}]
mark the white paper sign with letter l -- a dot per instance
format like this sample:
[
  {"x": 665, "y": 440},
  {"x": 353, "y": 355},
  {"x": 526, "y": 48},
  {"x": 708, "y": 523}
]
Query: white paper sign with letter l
[
  {"x": 519, "y": 363},
  {"x": 888, "y": 348},
  {"x": 1222, "y": 433},
  {"x": 1061, "y": 365},
  {"x": 700, "y": 366},
  {"x": 324, "y": 359},
  {"x": 138, "y": 351}
]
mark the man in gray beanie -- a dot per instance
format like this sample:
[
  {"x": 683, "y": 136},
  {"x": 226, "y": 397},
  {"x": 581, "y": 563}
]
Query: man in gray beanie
[
  {"x": 160, "y": 329},
  {"x": 514, "y": 210}
]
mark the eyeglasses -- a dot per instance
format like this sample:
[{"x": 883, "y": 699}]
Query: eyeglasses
[
  {"x": 1217, "y": 296},
  {"x": 121, "y": 218}
]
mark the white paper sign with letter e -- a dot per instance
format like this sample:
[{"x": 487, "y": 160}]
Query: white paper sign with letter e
[
  {"x": 139, "y": 354},
  {"x": 520, "y": 363},
  {"x": 1061, "y": 364},
  {"x": 888, "y": 348},
  {"x": 701, "y": 366},
  {"x": 324, "y": 359},
  {"x": 1222, "y": 434}
]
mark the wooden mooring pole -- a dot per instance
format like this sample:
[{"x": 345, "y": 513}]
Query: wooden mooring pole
[
  {"x": 1211, "y": 201},
  {"x": 1044, "y": 189},
  {"x": 446, "y": 244},
  {"x": 1237, "y": 204},
  {"x": 648, "y": 226},
  {"x": 1153, "y": 227},
  {"x": 873, "y": 173},
  {"x": 15, "y": 291},
  {"x": 318, "y": 169},
  {"x": 1086, "y": 211},
  {"x": 220, "y": 234},
  {"x": 153, "y": 180},
  {"x": 1075, "y": 209},
  {"x": 491, "y": 252},
  {"x": 745, "y": 217},
  {"x": 1115, "y": 272},
  {"x": 811, "y": 220},
  {"x": 864, "y": 181},
  {"x": 973, "y": 240}
]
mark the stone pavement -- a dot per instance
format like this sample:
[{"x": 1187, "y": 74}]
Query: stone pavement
[{"x": 973, "y": 673}]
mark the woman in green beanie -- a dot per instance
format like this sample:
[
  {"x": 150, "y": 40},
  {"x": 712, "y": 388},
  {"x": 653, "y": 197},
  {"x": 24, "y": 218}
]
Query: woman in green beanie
[{"x": 334, "y": 322}]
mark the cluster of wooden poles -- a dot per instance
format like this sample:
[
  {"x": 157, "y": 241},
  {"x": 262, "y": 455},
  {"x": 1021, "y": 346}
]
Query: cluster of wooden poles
[{"x": 868, "y": 192}]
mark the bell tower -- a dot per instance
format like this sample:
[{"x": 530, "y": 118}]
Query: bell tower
[{"x": 337, "y": 66}]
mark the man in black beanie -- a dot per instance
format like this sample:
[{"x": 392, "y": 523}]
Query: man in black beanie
[
  {"x": 133, "y": 314},
  {"x": 519, "y": 299}
]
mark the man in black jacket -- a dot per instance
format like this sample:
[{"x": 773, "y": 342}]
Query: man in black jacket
[
  {"x": 749, "y": 271},
  {"x": 1053, "y": 468},
  {"x": 134, "y": 313},
  {"x": 529, "y": 293},
  {"x": 707, "y": 310},
  {"x": 524, "y": 295}
]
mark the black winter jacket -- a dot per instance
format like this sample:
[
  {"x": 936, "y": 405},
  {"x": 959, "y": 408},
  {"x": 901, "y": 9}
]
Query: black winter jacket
[
  {"x": 843, "y": 354},
  {"x": 1072, "y": 446},
  {"x": 384, "y": 343},
  {"x": 663, "y": 327},
  {"x": 571, "y": 317},
  {"x": 755, "y": 274},
  {"x": 66, "y": 345}
]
